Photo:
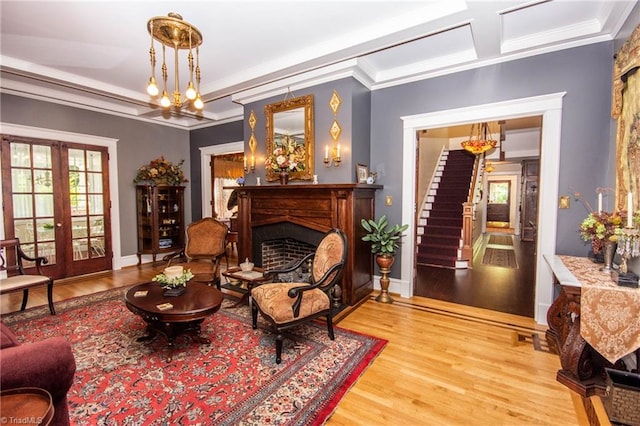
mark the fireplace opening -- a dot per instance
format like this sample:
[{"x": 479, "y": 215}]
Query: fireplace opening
[
  {"x": 279, "y": 244},
  {"x": 277, "y": 254}
]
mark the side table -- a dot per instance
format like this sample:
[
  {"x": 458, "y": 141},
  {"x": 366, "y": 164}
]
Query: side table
[
  {"x": 26, "y": 406},
  {"x": 249, "y": 279}
]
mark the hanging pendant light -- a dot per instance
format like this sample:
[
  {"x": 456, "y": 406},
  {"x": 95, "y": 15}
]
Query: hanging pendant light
[
  {"x": 480, "y": 141},
  {"x": 173, "y": 32}
]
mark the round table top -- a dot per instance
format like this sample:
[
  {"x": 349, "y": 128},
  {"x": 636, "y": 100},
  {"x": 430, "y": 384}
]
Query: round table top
[
  {"x": 197, "y": 302},
  {"x": 27, "y": 406}
]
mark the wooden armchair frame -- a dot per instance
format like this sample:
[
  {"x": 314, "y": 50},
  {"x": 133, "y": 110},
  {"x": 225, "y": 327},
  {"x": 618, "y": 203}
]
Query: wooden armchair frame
[
  {"x": 11, "y": 264},
  {"x": 205, "y": 246},
  {"x": 286, "y": 305}
]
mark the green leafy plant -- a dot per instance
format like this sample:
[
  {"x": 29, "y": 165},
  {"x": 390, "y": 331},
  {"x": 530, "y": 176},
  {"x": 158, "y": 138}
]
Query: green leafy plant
[{"x": 384, "y": 238}]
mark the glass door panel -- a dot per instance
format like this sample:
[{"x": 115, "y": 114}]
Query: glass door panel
[{"x": 70, "y": 225}]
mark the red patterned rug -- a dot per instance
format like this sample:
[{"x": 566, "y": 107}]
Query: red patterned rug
[{"x": 234, "y": 380}]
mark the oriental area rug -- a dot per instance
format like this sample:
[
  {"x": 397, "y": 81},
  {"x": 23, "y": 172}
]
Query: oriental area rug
[{"x": 234, "y": 380}]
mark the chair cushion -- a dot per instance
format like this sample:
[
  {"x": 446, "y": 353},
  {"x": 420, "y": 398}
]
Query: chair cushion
[
  {"x": 274, "y": 301},
  {"x": 19, "y": 282}
]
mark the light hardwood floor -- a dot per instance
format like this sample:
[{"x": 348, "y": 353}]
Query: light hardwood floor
[{"x": 445, "y": 364}]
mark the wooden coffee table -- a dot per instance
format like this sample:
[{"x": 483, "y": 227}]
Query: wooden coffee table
[
  {"x": 248, "y": 279},
  {"x": 188, "y": 310}
]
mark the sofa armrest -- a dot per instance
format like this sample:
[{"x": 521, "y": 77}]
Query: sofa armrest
[{"x": 48, "y": 364}]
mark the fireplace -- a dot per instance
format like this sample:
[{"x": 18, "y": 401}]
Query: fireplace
[
  {"x": 283, "y": 242},
  {"x": 303, "y": 214}
]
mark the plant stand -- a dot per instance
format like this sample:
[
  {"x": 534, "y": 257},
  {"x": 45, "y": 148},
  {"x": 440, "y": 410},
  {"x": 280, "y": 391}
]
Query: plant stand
[{"x": 384, "y": 263}]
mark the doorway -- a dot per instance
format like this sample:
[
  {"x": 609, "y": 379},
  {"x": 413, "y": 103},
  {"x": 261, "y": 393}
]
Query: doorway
[
  {"x": 56, "y": 199},
  {"x": 550, "y": 108}
]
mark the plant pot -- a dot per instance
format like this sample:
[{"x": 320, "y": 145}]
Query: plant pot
[{"x": 384, "y": 261}]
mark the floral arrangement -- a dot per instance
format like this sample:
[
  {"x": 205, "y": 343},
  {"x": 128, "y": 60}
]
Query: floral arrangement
[
  {"x": 599, "y": 227},
  {"x": 160, "y": 171},
  {"x": 167, "y": 282},
  {"x": 288, "y": 156},
  {"x": 240, "y": 181}
]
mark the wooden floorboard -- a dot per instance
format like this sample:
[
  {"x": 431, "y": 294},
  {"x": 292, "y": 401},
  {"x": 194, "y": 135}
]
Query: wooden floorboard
[{"x": 445, "y": 364}]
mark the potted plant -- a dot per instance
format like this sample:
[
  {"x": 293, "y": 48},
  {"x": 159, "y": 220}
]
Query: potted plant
[{"x": 384, "y": 243}]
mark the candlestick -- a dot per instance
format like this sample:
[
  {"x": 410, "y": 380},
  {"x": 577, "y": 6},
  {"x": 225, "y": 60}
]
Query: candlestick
[
  {"x": 338, "y": 151},
  {"x": 326, "y": 152},
  {"x": 245, "y": 162},
  {"x": 600, "y": 202},
  {"x": 629, "y": 210}
]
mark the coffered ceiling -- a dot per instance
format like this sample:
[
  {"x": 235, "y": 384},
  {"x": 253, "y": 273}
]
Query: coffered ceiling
[{"x": 94, "y": 54}]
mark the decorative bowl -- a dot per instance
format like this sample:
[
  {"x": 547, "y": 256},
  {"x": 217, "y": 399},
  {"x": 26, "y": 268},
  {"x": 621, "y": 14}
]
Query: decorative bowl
[{"x": 246, "y": 266}]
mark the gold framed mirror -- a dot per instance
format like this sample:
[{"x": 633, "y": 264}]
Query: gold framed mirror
[{"x": 290, "y": 127}]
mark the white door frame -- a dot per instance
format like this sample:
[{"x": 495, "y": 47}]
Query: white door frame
[
  {"x": 206, "y": 153},
  {"x": 550, "y": 107}
]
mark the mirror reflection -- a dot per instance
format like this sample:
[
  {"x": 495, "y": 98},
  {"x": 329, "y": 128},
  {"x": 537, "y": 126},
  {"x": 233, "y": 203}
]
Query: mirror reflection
[{"x": 290, "y": 131}]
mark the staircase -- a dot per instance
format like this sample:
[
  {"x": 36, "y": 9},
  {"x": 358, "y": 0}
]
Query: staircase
[{"x": 440, "y": 223}]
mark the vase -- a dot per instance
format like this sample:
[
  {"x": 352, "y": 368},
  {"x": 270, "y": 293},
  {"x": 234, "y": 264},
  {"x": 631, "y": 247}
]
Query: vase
[
  {"x": 384, "y": 261},
  {"x": 284, "y": 177},
  {"x": 608, "y": 251}
]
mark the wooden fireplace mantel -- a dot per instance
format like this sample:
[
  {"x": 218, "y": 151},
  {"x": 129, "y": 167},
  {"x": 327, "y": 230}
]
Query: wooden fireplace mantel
[{"x": 317, "y": 207}]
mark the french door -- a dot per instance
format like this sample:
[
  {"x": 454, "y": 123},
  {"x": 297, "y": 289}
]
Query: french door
[{"x": 56, "y": 200}]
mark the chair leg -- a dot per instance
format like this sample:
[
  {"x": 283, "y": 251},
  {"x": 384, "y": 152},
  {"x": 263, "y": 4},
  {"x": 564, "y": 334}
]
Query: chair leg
[
  {"x": 254, "y": 316},
  {"x": 25, "y": 298},
  {"x": 278, "y": 348},
  {"x": 50, "y": 297},
  {"x": 330, "y": 327}
]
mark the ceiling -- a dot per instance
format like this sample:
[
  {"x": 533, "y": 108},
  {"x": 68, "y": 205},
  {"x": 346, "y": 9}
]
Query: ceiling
[{"x": 94, "y": 54}]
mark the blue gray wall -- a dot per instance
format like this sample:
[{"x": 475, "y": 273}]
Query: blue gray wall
[
  {"x": 587, "y": 151},
  {"x": 138, "y": 143}
]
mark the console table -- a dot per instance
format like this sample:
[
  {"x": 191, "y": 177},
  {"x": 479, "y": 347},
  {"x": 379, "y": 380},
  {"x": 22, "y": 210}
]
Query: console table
[{"x": 593, "y": 323}]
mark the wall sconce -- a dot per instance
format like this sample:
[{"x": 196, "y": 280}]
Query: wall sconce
[
  {"x": 253, "y": 143},
  {"x": 335, "y": 130},
  {"x": 334, "y": 158}
]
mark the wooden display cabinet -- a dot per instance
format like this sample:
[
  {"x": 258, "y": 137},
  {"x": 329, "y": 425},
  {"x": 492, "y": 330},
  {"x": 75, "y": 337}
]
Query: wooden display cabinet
[{"x": 160, "y": 219}]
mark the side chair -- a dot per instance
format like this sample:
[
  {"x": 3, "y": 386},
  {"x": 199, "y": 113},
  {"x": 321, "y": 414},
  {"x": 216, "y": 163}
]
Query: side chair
[
  {"x": 205, "y": 245},
  {"x": 14, "y": 278},
  {"x": 287, "y": 304}
]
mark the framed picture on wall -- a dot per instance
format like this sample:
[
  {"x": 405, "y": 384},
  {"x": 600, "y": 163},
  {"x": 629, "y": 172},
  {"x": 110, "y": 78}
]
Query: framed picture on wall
[{"x": 362, "y": 173}]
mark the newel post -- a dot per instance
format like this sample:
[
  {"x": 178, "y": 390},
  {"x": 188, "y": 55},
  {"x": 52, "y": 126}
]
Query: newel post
[{"x": 467, "y": 232}]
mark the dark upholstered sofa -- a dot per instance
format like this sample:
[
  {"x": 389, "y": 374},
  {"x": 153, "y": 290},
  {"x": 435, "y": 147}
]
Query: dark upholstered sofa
[{"x": 48, "y": 364}]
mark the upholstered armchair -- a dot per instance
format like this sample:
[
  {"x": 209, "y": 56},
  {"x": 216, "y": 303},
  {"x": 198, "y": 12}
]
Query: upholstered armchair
[
  {"x": 287, "y": 304},
  {"x": 205, "y": 245},
  {"x": 12, "y": 262}
]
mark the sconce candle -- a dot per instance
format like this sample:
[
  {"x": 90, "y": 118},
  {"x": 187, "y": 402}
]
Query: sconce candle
[
  {"x": 629, "y": 210},
  {"x": 245, "y": 162},
  {"x": 253, "y": 162},
  {"x": 600, "y": 202},
  {"x": 338, "y": 151},
  {"x": 326, "y": 153}
]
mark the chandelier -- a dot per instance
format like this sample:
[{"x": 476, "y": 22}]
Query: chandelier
[
  {"x": 177, "y": 34},
  {"x": 479, "y": 142}
]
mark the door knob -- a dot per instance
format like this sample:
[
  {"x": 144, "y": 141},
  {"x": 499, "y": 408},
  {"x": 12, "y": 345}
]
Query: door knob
[{"x": 59, "y": 225}]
